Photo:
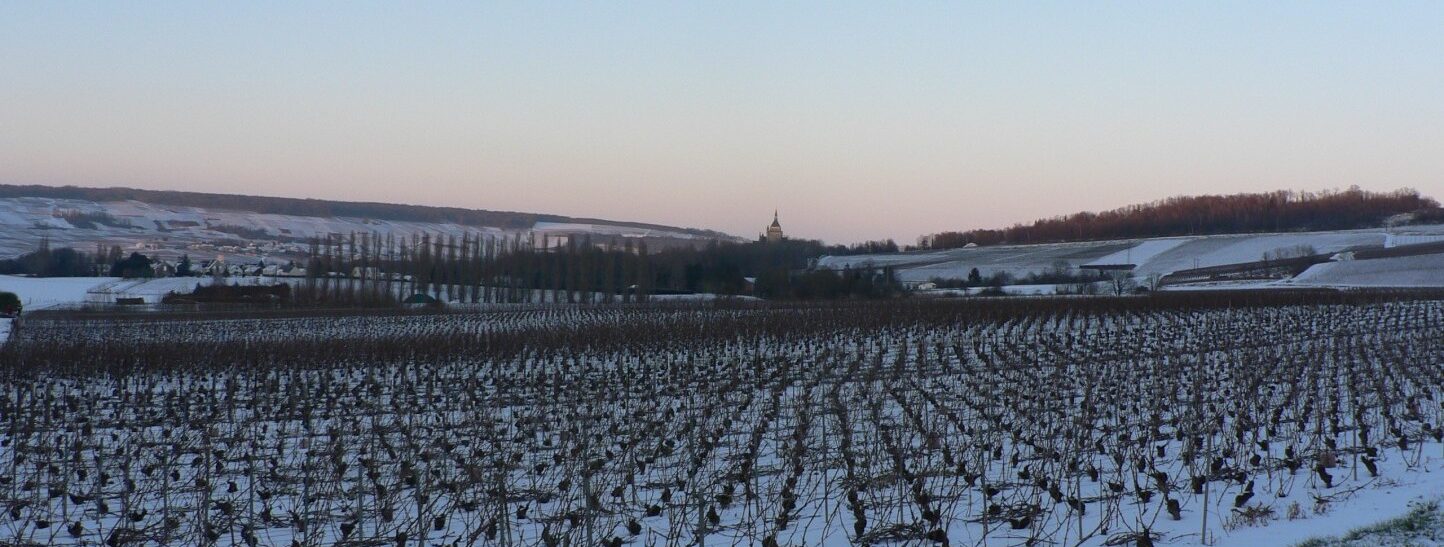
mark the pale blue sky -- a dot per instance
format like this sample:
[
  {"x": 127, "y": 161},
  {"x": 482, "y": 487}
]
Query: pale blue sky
[{"x": 857, "y": 120}]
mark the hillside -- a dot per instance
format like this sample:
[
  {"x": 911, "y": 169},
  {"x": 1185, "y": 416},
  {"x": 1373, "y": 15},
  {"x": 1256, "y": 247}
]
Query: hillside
[
  {"x": 172, "y": 223},
  {"x": 324, "y": 208},
  {"x": 1402, "y": 256},
  {"x": 1281, "y": 211}
]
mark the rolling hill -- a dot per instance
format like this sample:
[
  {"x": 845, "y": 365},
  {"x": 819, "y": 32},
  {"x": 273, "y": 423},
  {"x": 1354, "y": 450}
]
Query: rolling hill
[
  {"x": 172, "y": 223},
  {"x": 1401, "y": 256}
]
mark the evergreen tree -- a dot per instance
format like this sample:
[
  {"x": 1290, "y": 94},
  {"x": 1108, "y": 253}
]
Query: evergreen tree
[
  {"x": 10, "y": 304},
  {"x": 136, "y": 265}
]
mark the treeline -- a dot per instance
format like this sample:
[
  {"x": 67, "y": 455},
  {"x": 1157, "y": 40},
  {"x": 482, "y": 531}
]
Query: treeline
[
  {"x": 233, "y": 294},
  {"x": 90, "y": 219},
  {"x": 829, "y": 284},
  {"x": 1060, "y": 273},
  {"x": 865, "y": 248},
  {"x": 369, "y": 268},
  {"x": 68, "y": 262},
  {"x": 724, "y": 268},
  {"x": 372, "y": 269},
  {"x": 47, "y": 262},
  {"x": 315, "y": 207},
  {"x": 1280, "y": 211},
  {"x": 476, "y": 268},
  {"x": 778, "y": 270}
]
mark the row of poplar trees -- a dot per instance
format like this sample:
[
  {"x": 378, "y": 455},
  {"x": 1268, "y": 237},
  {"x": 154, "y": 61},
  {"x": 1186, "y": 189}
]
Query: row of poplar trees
[{"x": 369, "y": 268}]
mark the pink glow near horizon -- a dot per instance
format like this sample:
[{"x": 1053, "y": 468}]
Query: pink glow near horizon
[{"x": 856, "y": 121}]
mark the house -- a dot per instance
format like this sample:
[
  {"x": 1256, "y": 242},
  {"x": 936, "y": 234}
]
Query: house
[
  {"x": 163, "y": 268},
  {"x": 369, "y": 272},
  {"x": 214, "y": 268}
]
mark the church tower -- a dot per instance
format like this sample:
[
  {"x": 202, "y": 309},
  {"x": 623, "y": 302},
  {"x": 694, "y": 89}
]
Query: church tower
[{"x": 774, "y": 232}]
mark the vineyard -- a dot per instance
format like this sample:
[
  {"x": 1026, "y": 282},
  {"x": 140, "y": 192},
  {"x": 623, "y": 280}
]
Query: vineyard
[{"x": 1097, "y": 421}]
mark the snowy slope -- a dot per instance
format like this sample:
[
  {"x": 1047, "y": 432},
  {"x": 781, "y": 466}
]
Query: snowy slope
[
  {"x": 1141, "y": 253},
  {"x": 1017, "y": 260},
  {"x": 1235, "y": 249},
  {"x": 133, "y": 224},
  {"x": 1396, "y": 240},
  {"x": 1154, "y": 256},
  {"x": 1406, "y": 271}
]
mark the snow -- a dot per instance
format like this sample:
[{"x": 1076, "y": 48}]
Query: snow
[
  {"x": 1016, "y": 260},
  {"x": 1153, "y": 256},
  {"x": 38, "y": 293},
  {"x": 701, "y": 297},
  {"x": 1229, "y": 285},
  {"x": 1386, "y": 500},
  {"x": 609, "y": 229},
  {"x": 1396, "y": 240},
  {"x": 1042, "y": 289},
  {"x": 1235, "y": 249},
  {"x": 149, "y": 290},
  {"x": 1140, "y": 253},
  {"x": 1408, "y": 474},
  {"x": 24, "y": 221},
  {"x": 1405, "y": 271}
]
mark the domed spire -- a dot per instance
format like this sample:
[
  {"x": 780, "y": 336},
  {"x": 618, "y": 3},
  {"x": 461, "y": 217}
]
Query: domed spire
[{"x": 774, "y": 232}]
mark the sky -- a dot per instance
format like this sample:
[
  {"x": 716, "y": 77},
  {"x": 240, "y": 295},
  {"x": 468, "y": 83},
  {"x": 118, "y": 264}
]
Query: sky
[{"x": 855, "y": 120}]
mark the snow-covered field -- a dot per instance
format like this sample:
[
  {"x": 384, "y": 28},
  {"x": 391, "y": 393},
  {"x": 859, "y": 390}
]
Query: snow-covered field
[
  {"x": 206, "y": 233},
  {"x": 1235, "y": 249},
  {"x": 1142, "y": 253},
  {"x": 1017, "y": 260},
  {"x": 1157, "y": 257},
  {"x": 1421, "y": 526},
  {"x": 40, "y": 293},
  {"x": 1010, "y": 290},
  {"x": 1404, "y": 271},
  {"x": 1092, "y": 422}
]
